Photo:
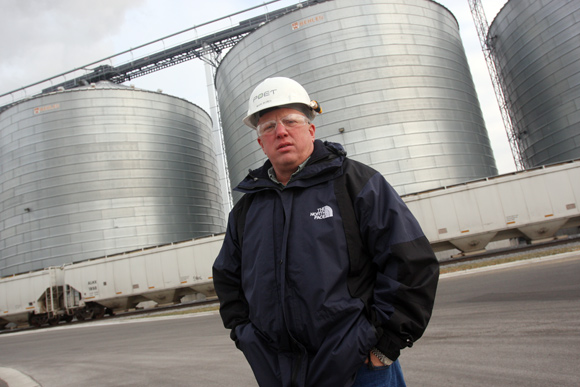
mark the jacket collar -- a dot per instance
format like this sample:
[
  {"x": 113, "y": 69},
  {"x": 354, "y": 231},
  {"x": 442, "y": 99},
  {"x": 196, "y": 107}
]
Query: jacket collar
[{"x": 324, "y": 164}]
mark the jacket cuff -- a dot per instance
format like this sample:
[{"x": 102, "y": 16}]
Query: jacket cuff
[
  {"x": 234, "y": 336},
  {"x": 391, "y": 346}
]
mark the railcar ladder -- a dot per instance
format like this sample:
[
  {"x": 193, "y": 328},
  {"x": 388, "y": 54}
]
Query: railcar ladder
[{"x": 52, "y": 295}]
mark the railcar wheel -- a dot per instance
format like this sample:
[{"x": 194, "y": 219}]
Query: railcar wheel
[
  {"x": 84, "y": 314},
  {"x": 38, "y": 320},
  {"x": 54, "y": 321},
  {"x": 67, "y": 318},
  {"x": 98, "y": 311}
]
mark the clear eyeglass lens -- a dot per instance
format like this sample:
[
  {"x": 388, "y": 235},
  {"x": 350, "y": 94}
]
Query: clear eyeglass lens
[{"x": 290, "y": 122}]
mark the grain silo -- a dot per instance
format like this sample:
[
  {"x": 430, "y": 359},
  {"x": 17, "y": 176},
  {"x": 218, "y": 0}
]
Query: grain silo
[
  {"x": 103, "y": 169},
  {"x": 393, "y": 81},
  {"x": 536, "y": 48}
]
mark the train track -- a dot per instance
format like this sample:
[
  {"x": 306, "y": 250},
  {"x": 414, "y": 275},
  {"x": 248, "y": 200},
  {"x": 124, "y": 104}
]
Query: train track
[
  {"x": 513, "y": 251},
  {"x": 130, "y": 313}
]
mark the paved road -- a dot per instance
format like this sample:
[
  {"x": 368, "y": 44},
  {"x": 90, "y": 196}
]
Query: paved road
[
  {"x": 517, "y": 326},
  {"x": 188, "y": 351}
]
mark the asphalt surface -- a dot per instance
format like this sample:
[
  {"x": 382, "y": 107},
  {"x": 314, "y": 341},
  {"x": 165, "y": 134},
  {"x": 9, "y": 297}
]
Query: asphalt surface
[{"x": 508, "y": 326}]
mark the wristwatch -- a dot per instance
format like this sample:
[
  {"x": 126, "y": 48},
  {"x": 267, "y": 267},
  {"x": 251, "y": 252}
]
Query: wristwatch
[{"x": 385, "y": 360}]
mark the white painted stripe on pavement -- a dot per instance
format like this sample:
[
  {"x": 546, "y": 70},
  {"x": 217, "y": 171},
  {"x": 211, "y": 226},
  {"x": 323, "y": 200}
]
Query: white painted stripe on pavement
[{"x": 15, "y": 378}]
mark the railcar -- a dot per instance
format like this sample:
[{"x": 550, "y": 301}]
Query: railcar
[{"x": 90, "y": 289}]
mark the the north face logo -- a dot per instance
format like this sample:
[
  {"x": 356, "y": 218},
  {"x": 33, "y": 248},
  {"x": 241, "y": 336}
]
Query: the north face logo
[{"x": 322, "y": 213}]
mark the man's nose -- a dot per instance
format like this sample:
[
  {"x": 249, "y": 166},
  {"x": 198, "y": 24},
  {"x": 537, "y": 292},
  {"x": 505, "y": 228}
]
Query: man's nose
[{"x": 281, "y": 129}]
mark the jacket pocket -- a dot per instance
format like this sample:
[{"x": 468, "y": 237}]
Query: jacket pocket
[{"x": 262, "y": 358}]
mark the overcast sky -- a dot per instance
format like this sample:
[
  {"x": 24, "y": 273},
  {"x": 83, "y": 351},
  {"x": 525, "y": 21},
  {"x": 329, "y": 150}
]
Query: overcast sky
[{"x": 41, "y": 38}]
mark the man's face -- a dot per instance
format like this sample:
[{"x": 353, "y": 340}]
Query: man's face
[{"x": 286, "y": 148}]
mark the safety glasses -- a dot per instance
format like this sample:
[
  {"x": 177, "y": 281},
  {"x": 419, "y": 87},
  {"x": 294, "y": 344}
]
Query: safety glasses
[{"x": 291, "y": 121}]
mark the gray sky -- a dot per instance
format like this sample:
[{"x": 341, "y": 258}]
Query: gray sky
[{"x": 40, "y": 39}]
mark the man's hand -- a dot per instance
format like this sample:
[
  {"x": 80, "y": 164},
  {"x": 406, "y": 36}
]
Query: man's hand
[{"x": 374, "y": 360}]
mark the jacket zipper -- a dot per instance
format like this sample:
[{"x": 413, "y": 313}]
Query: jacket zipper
[{"x": 296, "y": 366}]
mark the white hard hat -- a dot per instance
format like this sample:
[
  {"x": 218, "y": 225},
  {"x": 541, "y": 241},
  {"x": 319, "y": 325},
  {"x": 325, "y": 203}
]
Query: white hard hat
[{"x": 279, "y": 92}]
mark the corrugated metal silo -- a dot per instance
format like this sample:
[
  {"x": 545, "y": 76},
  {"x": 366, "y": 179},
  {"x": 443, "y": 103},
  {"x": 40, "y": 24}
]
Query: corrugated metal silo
[
  {"x": 393, "y": 81},
  {"x": 536, "y": 46},
  {"x": 100, "y": 170}
]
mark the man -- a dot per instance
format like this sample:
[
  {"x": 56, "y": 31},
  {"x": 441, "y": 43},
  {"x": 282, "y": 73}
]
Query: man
[{"x": 324, "y": 275}]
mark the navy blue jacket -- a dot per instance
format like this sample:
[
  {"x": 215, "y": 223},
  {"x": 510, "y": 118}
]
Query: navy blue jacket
[{"x": 302, "y": 310}]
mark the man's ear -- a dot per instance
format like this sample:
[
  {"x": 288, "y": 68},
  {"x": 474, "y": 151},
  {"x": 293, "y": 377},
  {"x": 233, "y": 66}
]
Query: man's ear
[
  {"x": 261, "y": 145},
  {"x": 312, "y": 130}
]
